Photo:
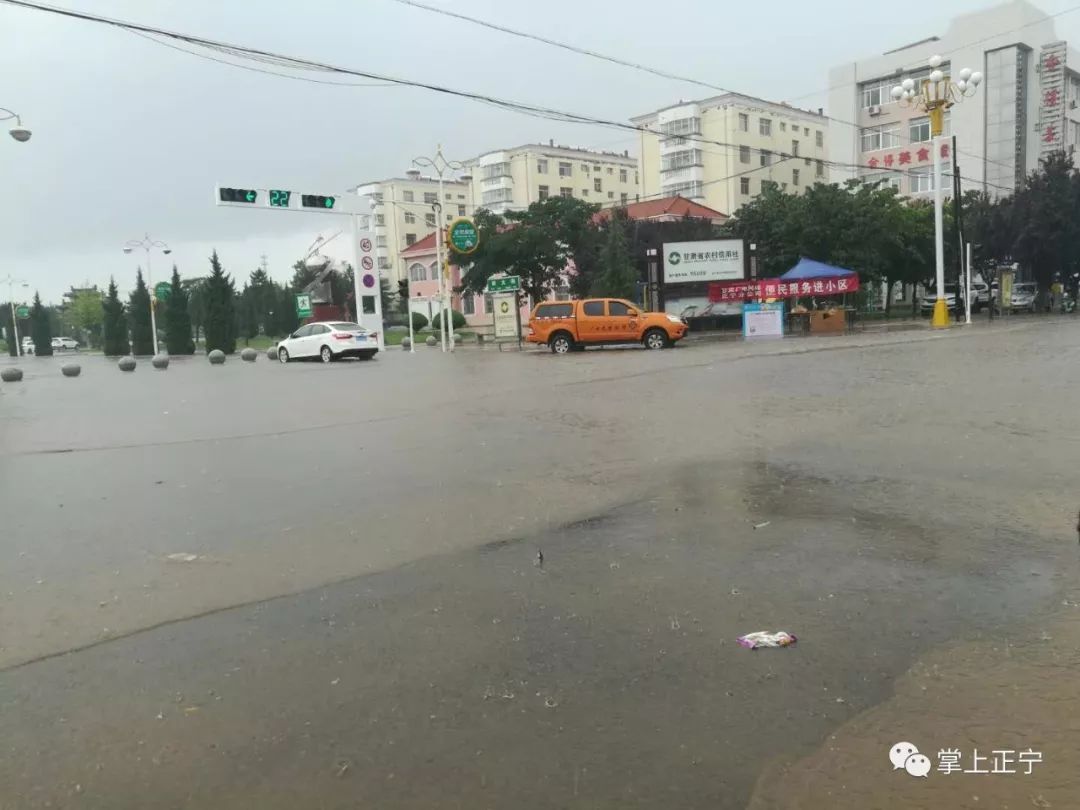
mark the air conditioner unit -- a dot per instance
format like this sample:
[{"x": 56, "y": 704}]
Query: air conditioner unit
[{"x": 875, "y": 110}]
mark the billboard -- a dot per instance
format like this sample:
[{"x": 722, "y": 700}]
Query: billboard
[{"x": 713, "y": 260}]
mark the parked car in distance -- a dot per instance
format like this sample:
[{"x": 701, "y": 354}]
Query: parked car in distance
[
  {"x": 65, "y": 343},
  {"x": 1023, "y": 296},
  {"x": 980, "y": 295},
  {"x": 328, "y": 341},
  {"x": 572, "y": 325},
  {"x": 952, "y": 299},
  {"x": 27, "y": 345}
]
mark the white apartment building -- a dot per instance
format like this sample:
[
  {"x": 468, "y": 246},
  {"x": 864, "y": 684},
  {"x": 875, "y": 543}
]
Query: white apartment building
[
  {"x": 511, "y": 179},
  {"x": 404, "y": 213},
  {"x": 1026, "y": 107},
  {"x": 718, "y": 151}
]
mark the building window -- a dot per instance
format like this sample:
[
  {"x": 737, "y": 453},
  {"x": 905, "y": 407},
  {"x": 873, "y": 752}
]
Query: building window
[
  {"x": 384, "y": 262},
  {"x": 783, "y": 126},
  {"x": 687, "y": 189},
  {"x": 449, "y": 217},
  {"x": 624, "y": 198},
  {"x": 819, "y": 138},
  {"x": 622, "y": 175},
  {"x": 883, "y": 136},
  {"x": 875, "y": 93},
  {"x": 744, "y": 154},
  {"x": 541, "y": 166},
  {"x": 611, "y": 195},
  {"x": 417, "y": 272},
  {"x": 636, "y": 180},
  {"x": 765, "y": 158},
  {"x": 430, "y": 197},
  {"x": 597, "y": 186},
  {"x": 819, "y": 168},
  {"x": 744, "y": 185},
  {"x": 429, "y": 220},
  {"x": 461, "y": 210},
  {"x": 566, "y": 169},
  {"x": 806, "y": 131},
  {"x": 794, "y": 177},
  {"x": 744, "y": 122},
  {"x": 681, "y": 126},
  {"x": 407, "y": 196},
  {"x": 493, "y": 170},
  {"x": 543, "y": 192},
  {"x": 584, "y": 192},
  {"x": 596, "y": 168},
  {"x": 497, "y": 195},
  {"x": 610, "y": 170},
  {"x": 585, "y": 167},
  {"x": 410, "y": 218},
  {"x": 921, "y": 180},
  {"x": 795, "y": 148},
  {"x": 764, "y": 126},
  {"x": 883, "y": 179},
  {"x": 468, "y": 304},
  {"x": 565, "y": 192},
  {"x": 380, "y": 219},
  {"x": 380, "y": 241},
  {"x": 680, "y": 160},
  {"x": 410, "y": 239},
  {"x": 461, "y": 196},
  {"x": 919, "y": 130}
]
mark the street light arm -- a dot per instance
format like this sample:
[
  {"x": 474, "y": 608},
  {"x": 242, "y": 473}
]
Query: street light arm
[{"x": 7, "y": 115}]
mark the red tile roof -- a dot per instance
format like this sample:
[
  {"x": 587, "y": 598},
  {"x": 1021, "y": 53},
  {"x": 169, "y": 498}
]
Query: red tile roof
[
  {"x": 665, "y": 208},
  {"x": 425, "y": 245}
]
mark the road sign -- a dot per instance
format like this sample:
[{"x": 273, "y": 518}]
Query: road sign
[
  {"x": 506, "y": 284},
  {"x": 303, "y": 305},
  {"x": 462, "y": 236},
  {"x": 506, "y": 313},
  {"x": 22, "y": 312},
  {"x": 162, "y": 290}
]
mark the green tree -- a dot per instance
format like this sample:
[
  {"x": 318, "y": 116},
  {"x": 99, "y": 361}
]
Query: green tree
[
  {"x": 85, "y": 313},
  {"x": 618, "y": 275},
  {"x": 40, "y": 330},
  {"x": 142, "y": 336},
  {"x": 1046, "y": 220},
  {"x": 220, "y": 315},
  {"x": 248, "y": 313},
  {"x": 262, "y": 299},
  {"x": 178, "y": 338},
  {"x": 196, "y": 293},
  {"x": 114, "y": 325},
  {"x": 285, "y": 320}
]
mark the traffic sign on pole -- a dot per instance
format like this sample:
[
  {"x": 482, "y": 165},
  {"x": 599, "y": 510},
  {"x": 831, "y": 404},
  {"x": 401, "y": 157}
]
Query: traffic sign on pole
[
  {"x": 462, "y": 236},
  {"x": 22, "y": 313},
  {"x": 162, "y": 290},
  {"x": 303, "y": 305},
  {"x": 505, "y": 284}
]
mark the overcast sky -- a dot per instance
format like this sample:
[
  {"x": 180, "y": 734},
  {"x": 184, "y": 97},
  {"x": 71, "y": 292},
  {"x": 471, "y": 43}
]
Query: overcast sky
[{"x": 129, "y": 137}]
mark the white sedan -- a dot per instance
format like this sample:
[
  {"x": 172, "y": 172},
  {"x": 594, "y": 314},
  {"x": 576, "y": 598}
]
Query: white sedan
[
  {"x": 328, "y": 341},
  {"x": 65, "y": 343}
]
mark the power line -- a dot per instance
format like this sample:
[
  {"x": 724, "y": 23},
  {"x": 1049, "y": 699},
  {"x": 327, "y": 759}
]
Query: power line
[
  {"x": 564, "y": 46},
  {"x": 269, "y": 57}
]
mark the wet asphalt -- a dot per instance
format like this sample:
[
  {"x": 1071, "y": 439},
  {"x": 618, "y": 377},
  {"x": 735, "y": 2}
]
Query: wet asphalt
[{"x": 365, "y": 622}]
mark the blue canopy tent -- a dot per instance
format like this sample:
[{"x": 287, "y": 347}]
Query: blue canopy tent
[{"x": 809, "y": 269}]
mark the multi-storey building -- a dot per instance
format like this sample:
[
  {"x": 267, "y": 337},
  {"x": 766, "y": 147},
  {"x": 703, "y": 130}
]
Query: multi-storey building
[
  {"x": 718, "y": 151},
  {"x": 512, "y": 179},
  {"x": 406, "y": 209},
  {"x": 1026, "y": 107}
]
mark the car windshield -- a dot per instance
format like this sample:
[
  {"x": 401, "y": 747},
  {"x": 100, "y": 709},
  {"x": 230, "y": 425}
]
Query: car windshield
[{"x": 353, "y": 452}]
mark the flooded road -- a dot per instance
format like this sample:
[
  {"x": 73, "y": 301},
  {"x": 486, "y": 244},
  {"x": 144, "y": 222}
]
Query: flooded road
[{"x": 906, "y": 511}]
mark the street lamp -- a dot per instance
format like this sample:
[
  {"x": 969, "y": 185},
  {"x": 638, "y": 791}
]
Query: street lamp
[
  {"x": 149, "y": 245},
  {"x": 18, "y": 132},
  {"x": 440, "y": 165},
  {"x": 934, "y": 95},
  {"x": 11, "y": 282}
]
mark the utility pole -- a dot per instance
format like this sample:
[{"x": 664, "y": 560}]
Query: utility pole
[
  {"x": 961, "y": 277},
  {"x": 11, "y": 282}
]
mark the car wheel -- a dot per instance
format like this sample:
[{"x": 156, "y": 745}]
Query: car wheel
[
  {"x": 655, "y": 339},
  {"x": 283, "y": 355},
  {"x": 561, "y": 343},
  {"x": 325, "y": 354}
]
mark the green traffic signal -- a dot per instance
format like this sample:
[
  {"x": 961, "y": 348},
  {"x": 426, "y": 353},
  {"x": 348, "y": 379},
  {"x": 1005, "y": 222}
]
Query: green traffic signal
[
  {"x": 317, "y": 201},
  {"x": 241, "y": 195}
]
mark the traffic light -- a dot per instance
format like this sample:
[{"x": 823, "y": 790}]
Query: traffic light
[
  {"x": 279, "y": 199},
  {"x": 316, "y": 201},
  {"x": 238, "y": 195}
]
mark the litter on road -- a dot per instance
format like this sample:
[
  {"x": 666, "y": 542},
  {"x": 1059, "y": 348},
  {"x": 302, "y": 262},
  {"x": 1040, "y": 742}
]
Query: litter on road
[
  {"x": 762, "y": 525},
  {"x": 763, "y": 638},
  {"x": 182, "y": 556}
]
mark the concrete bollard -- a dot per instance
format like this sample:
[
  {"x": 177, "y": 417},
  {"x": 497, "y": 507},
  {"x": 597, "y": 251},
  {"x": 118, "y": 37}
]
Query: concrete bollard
[
  {"x": 431, "y": 341},
  {"x": 271, "y": 353},
  {"x": 216, "y": 357},
  {"x": 160, "y": 361},
  {"x": 70, "y": 369},
  {"x": 126, "y": 363},
  {"x": 11, "y": 374},
  {"x": 406, "y": 343},
  {"x": 248, "y": 355}
]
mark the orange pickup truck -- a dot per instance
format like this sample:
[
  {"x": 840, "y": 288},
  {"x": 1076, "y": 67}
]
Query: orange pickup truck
[{"x": 568, "y": 326}]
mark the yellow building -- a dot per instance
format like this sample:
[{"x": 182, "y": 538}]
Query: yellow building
[
  {"x": 405, "y": 212},
  {"x": 511, "y": 179},
  {"x": 747, "y": 141}
]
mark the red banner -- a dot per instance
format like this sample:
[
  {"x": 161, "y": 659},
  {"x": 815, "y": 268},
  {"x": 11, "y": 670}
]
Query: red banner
[{"x": 730, "y": 291}]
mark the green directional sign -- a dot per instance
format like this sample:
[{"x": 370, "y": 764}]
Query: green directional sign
[
  {"x": 162, "y": 290},
  {"x": 462, "y": 236},
  {"x": 507, "y": 284},
  {"x": 303, "y": 305},
  {"x": 22, "y": 312}
]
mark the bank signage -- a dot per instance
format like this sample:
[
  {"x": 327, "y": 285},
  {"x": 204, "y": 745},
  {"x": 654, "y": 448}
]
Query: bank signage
[{"x": 713, "y": 260}]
